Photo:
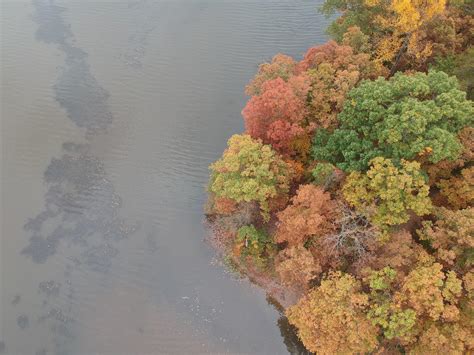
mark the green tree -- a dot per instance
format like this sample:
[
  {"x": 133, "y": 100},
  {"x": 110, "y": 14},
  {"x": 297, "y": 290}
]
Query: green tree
[
  {"x": 461, "y": 65},
  {"x": 249, "y": 171},
  {"x": 400, "y": 118},
  {"x": 386, "y": 194}
]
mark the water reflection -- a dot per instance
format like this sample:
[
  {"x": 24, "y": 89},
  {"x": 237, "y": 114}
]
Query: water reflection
[
  {"x": 76, "y": 90},
  {"x": 81, "y": 208},
  {"x": 89, "y": 286},
  {"x": 81, "y": 221},
  {"x": 288, "y": 332}
]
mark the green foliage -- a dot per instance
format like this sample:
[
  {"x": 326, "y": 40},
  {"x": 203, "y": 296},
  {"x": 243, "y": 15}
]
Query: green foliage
[
  {"x": 462, "y": 66},
  {"x": 382, "y": 279},
  {"x": 249, "y": 171},
  {"x": 322, "y": 173},
  {"x": 356, "y": 13},
  {"x": 386, "y": 194},
  {"x": 405, "y": 292},
  {"x": 395, "y": 322},
  {"x": 398, "y": 119},
  {"x": 255, "y": 244}
]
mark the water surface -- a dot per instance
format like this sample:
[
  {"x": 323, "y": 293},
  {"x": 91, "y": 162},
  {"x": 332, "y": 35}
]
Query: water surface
[{"x": 111, "y": 113}]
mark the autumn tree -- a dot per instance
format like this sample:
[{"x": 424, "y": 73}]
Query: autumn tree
[
  {"x": 386, "y": 194},
  {"x": 356, "y": 39},
  {"x": 446, "y": 169},
  {"x": 445, "y": 40},
  {"x": 452, "y": 237},
  {"x": 296, "y": 267},
  {"x": 281, "y": 66},
  {"x": 459, "y": 189},
  {"x": 399, "y": 118},
  {"x": 461, "y": 65},
  {"x": 354, "y": 13},
  {"x": 425, "y": 302},
  {"x": 399, "y": 252},
  {"x": 323, "y": 174},
  {"x": 331, "y": 318},
  {"x": 392, "y": 25},
  {"x": 276, "y": 115},
  {"x": 445, "y": 338},
  {"x": 249, "y": 171},
  {"x": 255, "y": 245},
  {"x": 395, "y": 321},
  {"x": 407, "y": 18},
  {"x": 428, "y": 290},
  {"x": 333, "y": 70},
  {"x": 309, "y": 214}
]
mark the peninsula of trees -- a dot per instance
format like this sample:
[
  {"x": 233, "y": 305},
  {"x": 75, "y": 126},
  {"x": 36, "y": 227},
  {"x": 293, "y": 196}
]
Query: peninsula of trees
[{"x": 352, "y": 187}]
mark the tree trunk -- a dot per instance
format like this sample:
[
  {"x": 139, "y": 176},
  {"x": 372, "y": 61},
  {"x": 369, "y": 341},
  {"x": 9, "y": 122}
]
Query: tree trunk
[{"x": 400, "y": 53}]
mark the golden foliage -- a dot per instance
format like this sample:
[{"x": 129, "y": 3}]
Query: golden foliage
[
  {"x": 386, "y": 193},
  {"x": 399, "y": 19},
  {"x": 459, "y": 189},
  {"x": 427, "y": 288},
  {"x": 452, "y": 236},
  {"x": 331, "y": 319}
]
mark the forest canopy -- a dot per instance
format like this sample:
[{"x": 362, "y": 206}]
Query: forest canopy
[{"x": 352, "y": 188}]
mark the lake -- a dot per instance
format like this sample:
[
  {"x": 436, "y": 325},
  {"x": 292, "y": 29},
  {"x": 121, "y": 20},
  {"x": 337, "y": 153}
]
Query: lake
[{"x": 111, "y": 112}]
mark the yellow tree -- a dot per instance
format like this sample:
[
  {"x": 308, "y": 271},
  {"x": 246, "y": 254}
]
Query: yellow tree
[
  {"x": 331, "y": 318},
  {"x": 401, "y": 20}
]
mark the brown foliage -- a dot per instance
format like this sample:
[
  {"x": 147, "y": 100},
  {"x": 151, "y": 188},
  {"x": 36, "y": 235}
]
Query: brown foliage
[
  {"x": 224, "y": 206},
  {"x": 311, "y": 213},
  {"x": 333, "y": 70},
  {"x": 296, "y": 267},
  {"x": 448, "y": 338},
  {"x": 452, "y": 235},
  {"x": 399, "y": 252},
  {"x": 458, "y": 190},
  {"x": 445, "y": 34}
]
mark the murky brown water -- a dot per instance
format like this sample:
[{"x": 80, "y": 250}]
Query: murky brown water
[{"x": 111, "y": 113}]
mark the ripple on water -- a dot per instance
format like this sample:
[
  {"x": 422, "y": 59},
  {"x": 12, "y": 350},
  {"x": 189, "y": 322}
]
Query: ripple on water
[{"x": 157, "y": 88}]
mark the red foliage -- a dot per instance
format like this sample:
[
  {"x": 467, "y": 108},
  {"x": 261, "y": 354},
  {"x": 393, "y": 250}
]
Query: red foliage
[
  {"x": 340, "y": 58},
  {"x": 224, "y": 206},
  {"x": 277, "y": 114}
]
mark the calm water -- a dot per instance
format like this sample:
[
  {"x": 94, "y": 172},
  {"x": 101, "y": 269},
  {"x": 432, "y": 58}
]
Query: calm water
[{"x": 111, "y": 113}]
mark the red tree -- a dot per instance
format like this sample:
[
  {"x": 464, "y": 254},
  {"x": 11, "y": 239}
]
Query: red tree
[{"x": 276, "y": 115}]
